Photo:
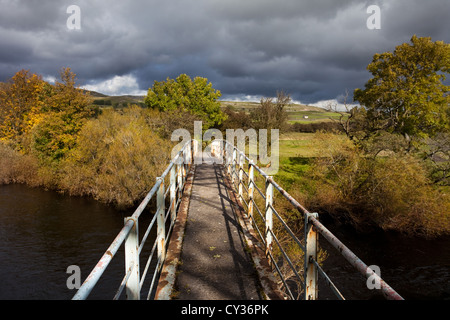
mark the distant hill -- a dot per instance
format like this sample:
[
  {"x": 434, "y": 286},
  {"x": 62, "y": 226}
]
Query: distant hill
[
  {"x": 95, "y": 94},
  {"x": 296, "y": 112},
  {"x": 103, "y": 100},
  {"x": 247, "y": 106}
]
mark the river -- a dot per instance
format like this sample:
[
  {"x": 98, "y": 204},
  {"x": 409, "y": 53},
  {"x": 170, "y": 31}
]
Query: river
[
  {"x": 43, "y": 232},
  {"x": 417, "y": 268}
]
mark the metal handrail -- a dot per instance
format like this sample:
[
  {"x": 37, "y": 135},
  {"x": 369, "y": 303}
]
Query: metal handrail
[
  {"x": 234, "y": 162},
  {"x": 177, "y": 171},
  {"x": 132, "y": 281}
]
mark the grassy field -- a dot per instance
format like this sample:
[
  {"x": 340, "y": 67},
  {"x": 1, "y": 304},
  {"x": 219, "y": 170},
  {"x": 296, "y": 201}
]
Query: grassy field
[
  {"x": 310, "y": 116},
  {"x": 297, "y": 151},
  {"x": 299, "y": 144},
  {"x": 296, "y": 112}
]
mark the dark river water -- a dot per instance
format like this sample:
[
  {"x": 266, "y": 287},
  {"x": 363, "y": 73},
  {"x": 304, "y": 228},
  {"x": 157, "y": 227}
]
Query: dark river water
[
  {"x": 43, "y": 232},
  {"x": 418, "y": 269}
]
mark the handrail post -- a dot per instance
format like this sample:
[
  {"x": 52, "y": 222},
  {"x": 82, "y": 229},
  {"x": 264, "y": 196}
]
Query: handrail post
[
  {"x": 183, "y": 165},
  {"x": 311, "y": 272},
  {"x": 269, "y": 221},
  {"x": 173, "y": 196},
  {"x": 161, "y": 226},
  {"x": 229, "y": 157},
  {"x": 132, "y": 262},
  {"x": 191, "y": 152},
  {"x": 241, "y": 175},
  {"x": 233, "y": 164},
  {"x": 223, "y": 152},
  {"x": 251, "y": 183},
  {"x": 180, "y": 177}
]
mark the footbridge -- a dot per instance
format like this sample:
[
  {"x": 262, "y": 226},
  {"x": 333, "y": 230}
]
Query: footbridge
[{"x": 218, "y": 232}]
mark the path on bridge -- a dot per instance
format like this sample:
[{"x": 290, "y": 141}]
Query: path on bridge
[{"x": 215, "y": 262}]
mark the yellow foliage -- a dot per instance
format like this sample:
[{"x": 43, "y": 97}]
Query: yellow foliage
[
  {"x": 117, "y": 159},
  {"x": 21, "y": 104}
]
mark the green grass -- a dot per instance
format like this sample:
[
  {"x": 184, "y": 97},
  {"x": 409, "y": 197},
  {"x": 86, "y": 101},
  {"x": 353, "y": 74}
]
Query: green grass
[
  {"x": 297, "y": 151},
  {"x": 312, "y": 116},
  {"x": 299, "y": 144},
  {"x": 292, "y": 169}
]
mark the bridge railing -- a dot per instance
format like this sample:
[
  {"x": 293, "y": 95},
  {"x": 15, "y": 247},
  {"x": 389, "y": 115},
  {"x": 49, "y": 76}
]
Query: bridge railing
[
  {"x": 167, "y": 190},
  {"x": 246, "y": 185}
]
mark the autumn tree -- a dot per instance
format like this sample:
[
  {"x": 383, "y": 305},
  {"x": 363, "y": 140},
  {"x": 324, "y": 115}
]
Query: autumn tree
[
  {"x": 21, "y": 103},
  {"x": 184, "y": 94},
  {"x": 407, "y": 94},
  {"x": 66, "y": 110}
]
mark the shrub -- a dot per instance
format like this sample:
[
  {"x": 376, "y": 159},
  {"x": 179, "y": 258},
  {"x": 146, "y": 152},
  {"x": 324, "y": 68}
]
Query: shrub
[
  {"x": 401, "y": 197},
  {"x": 16, "y": 167},
  {"x": 328, "y": 126},
  {"x": 117, "y": 159},
  {"x": 236, "y": 120},
  {"x": 392, "y": 192}
]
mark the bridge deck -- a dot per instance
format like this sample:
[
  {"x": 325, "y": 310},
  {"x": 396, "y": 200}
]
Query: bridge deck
[{"x": 218, "y": 260}]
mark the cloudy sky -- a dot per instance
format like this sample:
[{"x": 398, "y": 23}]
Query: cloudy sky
[{"x": 313, "y": 49}]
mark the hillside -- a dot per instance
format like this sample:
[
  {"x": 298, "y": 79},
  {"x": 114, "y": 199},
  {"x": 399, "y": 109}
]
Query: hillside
[
  {"x": 103, "y": 100},
  {"x": 297, "y": 112},
  {"x": 246, "y": 106}
]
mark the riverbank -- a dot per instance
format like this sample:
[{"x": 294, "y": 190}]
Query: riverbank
[
  {"x": 329, "y": 174},
  {"x": 116, "y": 160}
]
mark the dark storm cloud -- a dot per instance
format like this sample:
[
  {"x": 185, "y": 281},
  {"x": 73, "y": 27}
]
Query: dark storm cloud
[{"x": 314, "y": 50}]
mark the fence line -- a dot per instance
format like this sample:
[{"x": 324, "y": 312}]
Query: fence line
[
  {"x": 164, "y": 219},
  {"x": 308, "y": 279}
]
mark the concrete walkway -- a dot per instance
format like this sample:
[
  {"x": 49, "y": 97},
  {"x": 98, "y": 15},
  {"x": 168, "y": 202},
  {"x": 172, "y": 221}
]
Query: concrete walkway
[{"x": 215, "y": 262}]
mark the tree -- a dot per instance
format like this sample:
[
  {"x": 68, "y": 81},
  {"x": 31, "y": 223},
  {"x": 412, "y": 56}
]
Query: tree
[
  {"x": 198, "y": 97},
  {"x": 406, "y": 94},
  {"x": 236, "y": 119},
  {"x": 21, "y": 103},
  {"x": 352, "y": 121},
  {"x": 270, "y": 114},
  {"x": 66, "y": 110}
]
